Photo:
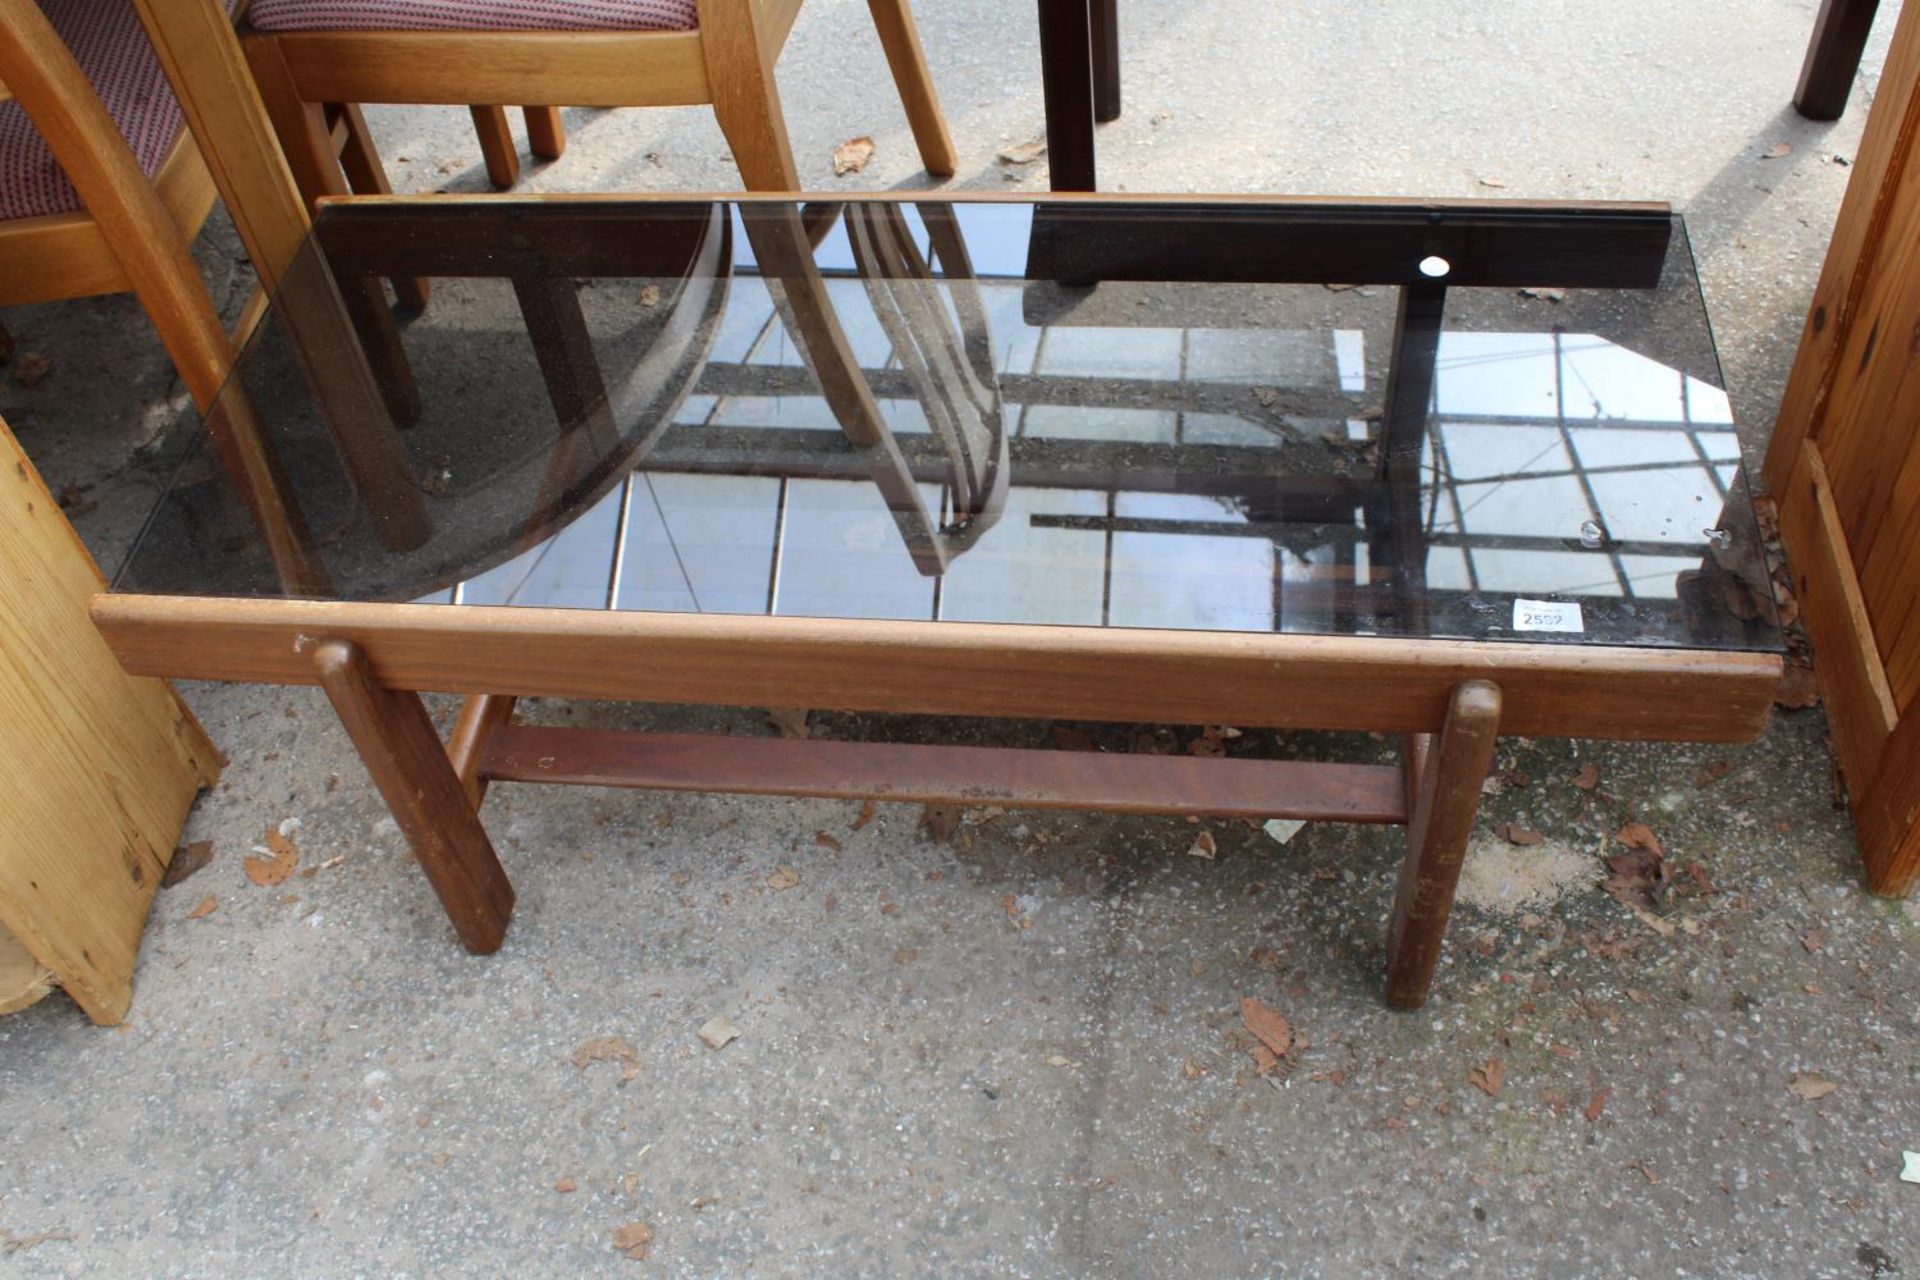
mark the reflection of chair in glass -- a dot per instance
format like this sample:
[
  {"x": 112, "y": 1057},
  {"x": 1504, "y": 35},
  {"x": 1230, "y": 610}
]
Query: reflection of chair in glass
[
  {"x": 93, "y": 214},
  {"x": 947, "y": 356}
]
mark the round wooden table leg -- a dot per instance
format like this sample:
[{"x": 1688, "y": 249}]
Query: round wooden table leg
[
  {"x": 1446, "y": 800},
  {"x": 395, "y": 738}
]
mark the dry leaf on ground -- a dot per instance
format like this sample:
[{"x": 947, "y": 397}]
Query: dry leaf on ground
[
  {"x": 827, "y": 840},
  {"x": 866, "y": 815},
  {"x": 1811, "y": 1085},
  {"x": 30, "y": 368},
  {"x": 1514, "y": 833},
  {"x": 1638, "y": 835},
  {"x": 719, "y": 1031},
  {"x": 782, "y": 879},
  {"x": 205, "y": 907},
  {"x": 608, "y": 1049},
  {"x": 1266, "y": 958},
  {"x": 1598, "y": 1105},
  {"x": 788, "y": 722},
  {"x": 186, "y": 860},
  {"x": 1814, "y": 939},
  {"x": 852, "y": 155},
  {"x": 650, "y": 296},
  {"x": 1778, "y": 151},
  {"x": 1488, "y": 1077},
  {"x": 1203, "y": 846},
  {"x": 1589, "y": 776},
  {"x": 566, "y": 1186},
  {"x": 634, "y": 1240},
  {"x": 1799, "y": 688},
  {"x": 1638, "y": 879},
  {"x": 283, "y": 858},
  {"x": 1025, "y": 153},
  {"x": 1269, "y": 1027}
]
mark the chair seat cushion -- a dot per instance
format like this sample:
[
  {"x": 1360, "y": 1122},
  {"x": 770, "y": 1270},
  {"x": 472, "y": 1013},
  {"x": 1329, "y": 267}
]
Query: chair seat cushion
[
  {"x": 473, "y": 15},
  {"x": 112, "y": 49}
]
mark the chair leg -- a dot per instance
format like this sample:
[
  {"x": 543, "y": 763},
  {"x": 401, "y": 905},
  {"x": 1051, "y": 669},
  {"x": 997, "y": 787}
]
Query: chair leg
[
  {"x": 368, "y": 177},
  {"x": 496, "y": 145},
  {"x": 546, "y": 135},
  {"x": 747, "y": 103},
  {"x": 901, "y": 40},
  {"x": 308, "y": 145},
  {"x": 1104, "y": 20}
]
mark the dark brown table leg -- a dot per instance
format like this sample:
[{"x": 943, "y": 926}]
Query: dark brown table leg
[
  {"x": 1105, "y": 21},
  {"x": 1833, "y": 57},
  {"x": 395, "y": 738},
  {"x": 1450, "y": 772},
  {"x": 1066, "y": 81}
]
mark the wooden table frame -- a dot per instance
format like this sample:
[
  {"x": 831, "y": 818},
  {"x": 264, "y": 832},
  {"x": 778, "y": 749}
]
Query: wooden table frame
[{"x": 1448, "y": 698}]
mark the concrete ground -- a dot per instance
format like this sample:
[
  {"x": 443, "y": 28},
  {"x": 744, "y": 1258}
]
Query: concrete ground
[{"x": 1021, "y": 1053}]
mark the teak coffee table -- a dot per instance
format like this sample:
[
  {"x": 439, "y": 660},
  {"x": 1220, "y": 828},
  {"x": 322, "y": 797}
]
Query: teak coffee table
[{"x": 1438, "y": 471}]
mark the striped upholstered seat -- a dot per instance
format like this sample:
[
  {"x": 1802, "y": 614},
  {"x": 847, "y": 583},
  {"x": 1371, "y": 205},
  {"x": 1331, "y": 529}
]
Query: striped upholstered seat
[
  {"x": 473, "y": 15},
  {"x": 112, "y": 50}
]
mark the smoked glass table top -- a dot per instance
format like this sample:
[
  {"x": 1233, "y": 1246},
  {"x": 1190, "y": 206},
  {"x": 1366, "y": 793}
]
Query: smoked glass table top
[{"x": 1483, "y": 423}]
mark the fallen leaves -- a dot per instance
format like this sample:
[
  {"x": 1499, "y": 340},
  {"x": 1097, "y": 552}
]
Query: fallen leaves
[
  {"x": 282, "y": 857},
  {"x": 1813, "y": 940},
  {"x": 187, "y": 859},
  {"x": 30, "y": 368},
  {"x": 1514, "y": 833},
  {"x": 634, "y": 1240},
  {"x": 1203, "y": 846},
  {"x": 1638, "y": 876},
  {"x": 783, "y": 879},
  {"x": 1488, "y": 1077},
  {"x": 827, "y": 840},
  {"x": 204, "y": 908},
  {"x": 788, "y": 722},
  {"x": 1269, "y": 1026},
  {"x": 1810, "y": 1086},
  {"x": 1599, "y": 1104},
  {"x": 852, "y": 155},
  {"x": 1025, "y": 153},
  {"x": 866, "y": 815},
  {"x": 650, "y": 296},
  {"x": 1283, "y": 830},
  {"x": 1638, "y": 835},
  {"x": 1711, "y": 772},
  {"x": 1778, "y": 151},
  {"x": 566, "y": 1186},
  {"x": 719, "y": 1031},
  {"x": 1799, "y": 688},
  {"x": 1588, "y": 778},
  {"x": 608, "y": 1049}
]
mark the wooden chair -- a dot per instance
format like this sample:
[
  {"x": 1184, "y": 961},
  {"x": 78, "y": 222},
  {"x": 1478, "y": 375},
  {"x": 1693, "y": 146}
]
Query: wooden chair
[
  {"x": 107, "y": 189},
  {"x": 606, "y": 53}
]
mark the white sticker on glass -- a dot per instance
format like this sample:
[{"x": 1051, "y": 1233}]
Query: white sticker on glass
[{"x": 1547, "y": 615}]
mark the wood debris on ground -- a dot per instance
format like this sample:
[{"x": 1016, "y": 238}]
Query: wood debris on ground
[
  {"x": 852, "y": 155},
  {"x": 608, "y": 1049},
  {"x": 204, "y": 908},
  {"x": 634, "y": 1240}
]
